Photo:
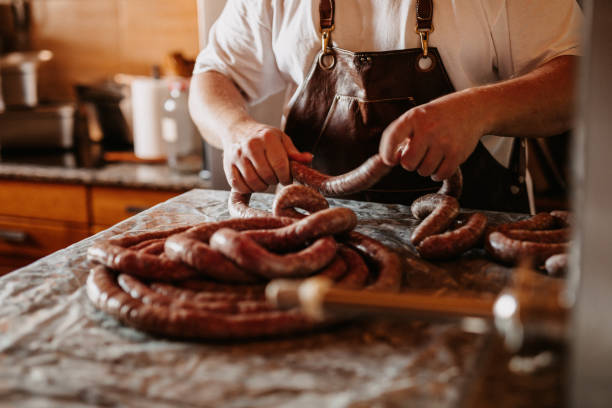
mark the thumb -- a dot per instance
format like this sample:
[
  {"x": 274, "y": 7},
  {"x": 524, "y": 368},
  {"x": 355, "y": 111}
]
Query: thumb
[{"x": 294, "y": 153}]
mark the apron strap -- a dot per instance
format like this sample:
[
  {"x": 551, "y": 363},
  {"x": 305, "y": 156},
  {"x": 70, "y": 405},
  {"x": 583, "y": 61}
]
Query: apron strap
[
  {"x": 424, "y": 15},
  {"x": 326, "y": 21},
  {"x": 424, "y": 23},
  {"x": 326, "y": 14}
]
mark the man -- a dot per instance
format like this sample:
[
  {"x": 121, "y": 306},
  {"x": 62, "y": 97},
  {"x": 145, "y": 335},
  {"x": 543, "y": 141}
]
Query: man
[{"x": 429, "y": 85}]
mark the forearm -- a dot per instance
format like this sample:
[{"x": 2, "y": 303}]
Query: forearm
[
  {"x": 537, "y": 104},
  {"x": 216, "y": 107}
]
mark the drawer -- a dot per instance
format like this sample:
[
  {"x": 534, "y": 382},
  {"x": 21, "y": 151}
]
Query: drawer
[
  {"x": 51, "y": 201},
  {"x": 36, "y": 238},
  {"x": 110, "y": 205}
]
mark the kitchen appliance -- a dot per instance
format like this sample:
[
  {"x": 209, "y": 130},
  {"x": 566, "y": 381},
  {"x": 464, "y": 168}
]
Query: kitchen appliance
[
  {"x": 19, "y": 77},
  {"x": 45, "y": 126}
]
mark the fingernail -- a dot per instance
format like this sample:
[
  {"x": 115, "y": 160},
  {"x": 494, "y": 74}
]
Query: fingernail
[{"x": 435, "y": 178}]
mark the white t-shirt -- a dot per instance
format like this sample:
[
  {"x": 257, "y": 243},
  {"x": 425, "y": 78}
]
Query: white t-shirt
[{"x": 266, "y": 46}]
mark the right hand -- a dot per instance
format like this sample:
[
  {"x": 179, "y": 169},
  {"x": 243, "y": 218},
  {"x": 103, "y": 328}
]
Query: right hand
[{"x": 257, "y": 156}]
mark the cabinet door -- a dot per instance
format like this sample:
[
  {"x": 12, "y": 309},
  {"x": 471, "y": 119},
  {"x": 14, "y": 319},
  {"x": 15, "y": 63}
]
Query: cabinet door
[
  {"x": 50, "y": 201},
  {"x": 111, "y": 205},
  {"x": 30, "y": 238}
]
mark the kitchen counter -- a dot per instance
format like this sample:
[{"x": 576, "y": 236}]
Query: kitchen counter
[
  {"x": 57, "y": 350},
  {"x": 129, "y": 175}
]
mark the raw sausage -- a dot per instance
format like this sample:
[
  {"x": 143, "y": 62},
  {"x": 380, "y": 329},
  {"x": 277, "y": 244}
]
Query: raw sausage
[
  {"x": 297, "y": 196},
  {"x": 437, "y": 212},
  {"x": 510, "y": 250},
  {"x": 454, "y": 243}
]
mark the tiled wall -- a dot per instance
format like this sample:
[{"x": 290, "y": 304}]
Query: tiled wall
[{"x": 95, "y": 39}]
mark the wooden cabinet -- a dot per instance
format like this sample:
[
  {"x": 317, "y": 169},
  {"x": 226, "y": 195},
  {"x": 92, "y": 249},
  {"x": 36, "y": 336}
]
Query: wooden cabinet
[
  {"x": 109, "y": 205},
  {"x": 50, "y": 201},
  {"x": 38, "y": 218}
]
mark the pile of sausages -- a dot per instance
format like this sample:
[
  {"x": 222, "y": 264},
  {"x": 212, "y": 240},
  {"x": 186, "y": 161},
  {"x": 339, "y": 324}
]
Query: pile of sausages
[
  {"x": 542, "y": 240},
  {"x": 207, "y": 281}
]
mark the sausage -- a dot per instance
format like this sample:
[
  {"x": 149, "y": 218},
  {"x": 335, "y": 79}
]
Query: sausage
[
  {"x": 251, "y": 256},
  {"x": 331, "y": 221},
  {"x": 180, "y": 322},
  {"x": 184, "y": 293},
  {"x": 556, "y": 265},
  {"x": 437, "y": 211},
  {"x": 191, "y": 247},
  {"x": 359, "y": 179},
  {"x": 238, "y": 206},
  {"x": 562, "y": 217},
  {"x": 540, "y": 221},
  {"x": 454, "y": 243},
  {"x": 388, "y": 263},
  {"x": 510, "y": 250},
  {"x": 116, "y": 254},
  {"x": 336, "y": 269},
  {"x": 357, "y": 271},
  {"x": 139, "y": 290},
  {"x": 550, "y": 236},
  {"x": 297, "y": 196},
  {"x": 453, "y": 186}
]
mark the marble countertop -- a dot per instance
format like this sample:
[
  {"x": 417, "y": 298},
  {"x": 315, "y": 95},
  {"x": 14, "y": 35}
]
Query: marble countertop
[
  {"x": 57, "y": 350},
  {"x": 129, "y": 175}
]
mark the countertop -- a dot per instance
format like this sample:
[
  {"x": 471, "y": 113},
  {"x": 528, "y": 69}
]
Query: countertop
[
  {"x": 129, "y": 175},
  {"x": 57, "y": 350}
]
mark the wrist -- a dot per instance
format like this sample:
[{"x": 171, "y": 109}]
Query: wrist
[{"x": 238, "y": 129}]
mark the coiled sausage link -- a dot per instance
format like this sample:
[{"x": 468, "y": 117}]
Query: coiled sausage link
[
  {"x": 510, "y": 250},
  {"x": 331, "y": 221},
  {"x": 388, "y": 263},
  {"x": 549, "y": 236},
  {"x": 117, "y": 253},
  {"x": 297, "y": 196},
  {"x": 139, "y": 290},
  {"x": 437, "y": 212},
  {"x": 454, "y": 243},
  {"x": 251, "y": 256},
  {"x": 357, "y": 271},
  {"x": 179, "y": 322},
  {"x": 191, "y": 247}
]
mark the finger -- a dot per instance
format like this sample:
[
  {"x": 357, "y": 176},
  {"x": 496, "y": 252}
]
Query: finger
[
  {"x": 250, "y": 176},
  {"x": 278, "y": 159},
  {"x": 293, "y": 152},
  {"x": 257, "y": 154},
  {"x": 431, "y": 162},
  {"x": 414, "y": 153},
  {"x": 445, "y": 170},
  {"x": 237, "y": 182},
  {"x": 393, "y": 139}
]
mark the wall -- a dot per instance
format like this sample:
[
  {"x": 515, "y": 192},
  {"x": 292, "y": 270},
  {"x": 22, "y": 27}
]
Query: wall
[{"x": 95, "y": 39}]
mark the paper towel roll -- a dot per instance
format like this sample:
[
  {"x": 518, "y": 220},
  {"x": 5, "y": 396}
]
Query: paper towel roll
[{"x": 148, "y": 96}]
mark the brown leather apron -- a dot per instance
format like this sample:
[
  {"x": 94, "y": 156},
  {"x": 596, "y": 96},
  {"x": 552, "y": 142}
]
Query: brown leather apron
[{"x": 349, "y": 98}]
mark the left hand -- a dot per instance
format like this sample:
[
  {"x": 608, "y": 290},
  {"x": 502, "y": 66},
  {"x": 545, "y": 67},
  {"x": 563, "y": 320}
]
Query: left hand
[{"x": 434, "y": 138}]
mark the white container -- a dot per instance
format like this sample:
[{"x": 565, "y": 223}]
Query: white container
[
  {"x": 183, "y": 141},
  {"x": 148, "y": 96}
]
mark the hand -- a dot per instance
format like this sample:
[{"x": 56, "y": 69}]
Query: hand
[
  {"x": 257, "y": 156},
  {"x": 434, "y": 138}
]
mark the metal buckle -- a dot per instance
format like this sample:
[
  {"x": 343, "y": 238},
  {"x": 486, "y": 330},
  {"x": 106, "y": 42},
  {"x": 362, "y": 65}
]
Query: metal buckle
[
  {"x": 325, "y": 37},
  {"x": 424, "y": 36}
]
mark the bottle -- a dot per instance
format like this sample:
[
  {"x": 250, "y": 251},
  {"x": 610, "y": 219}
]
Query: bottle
[{"x": 183, "y": 142}]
